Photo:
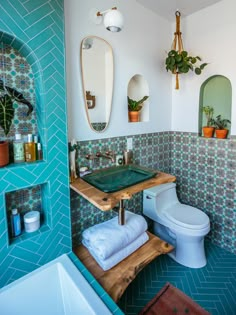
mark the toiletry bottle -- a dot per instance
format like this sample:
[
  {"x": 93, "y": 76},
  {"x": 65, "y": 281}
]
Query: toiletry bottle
[
  {"x": 18, "y": 149},
  {"x": 36, "y": 146},
  {"x": 15, "y": 223},
  {"x": 39, "y": 151},
  {"x": 30, "y": 153}
]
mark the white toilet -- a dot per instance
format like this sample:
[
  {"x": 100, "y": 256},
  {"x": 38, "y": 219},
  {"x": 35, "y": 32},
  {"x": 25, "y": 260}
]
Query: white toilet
[{"x": 180, "y": 225}]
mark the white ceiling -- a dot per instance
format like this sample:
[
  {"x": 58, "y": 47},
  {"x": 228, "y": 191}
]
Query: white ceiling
[{"x": 167, "y": 8}]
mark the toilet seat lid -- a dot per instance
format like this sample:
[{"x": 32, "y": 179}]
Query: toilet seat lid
[{"x": 187, "y": 216}]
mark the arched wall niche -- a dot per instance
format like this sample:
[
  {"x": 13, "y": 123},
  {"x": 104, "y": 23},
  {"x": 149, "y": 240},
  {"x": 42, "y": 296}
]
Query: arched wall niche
[
  {"x": 137, "y": 89},
  {"x": 216, "y": 92},
  {"x": 19, "y": 69}
]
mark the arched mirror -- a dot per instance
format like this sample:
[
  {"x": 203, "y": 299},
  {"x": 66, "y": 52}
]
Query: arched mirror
[{"x": 97, "y": 77}]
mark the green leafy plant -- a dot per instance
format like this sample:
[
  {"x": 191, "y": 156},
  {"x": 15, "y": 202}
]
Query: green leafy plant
[
  {"x": 7, "y": 98},
  {"x": 135, "y": 106},
  {"x": 209, "y": 111},
  {"x": 221, "y": 123},
  {"x": 181, "y": 62}
]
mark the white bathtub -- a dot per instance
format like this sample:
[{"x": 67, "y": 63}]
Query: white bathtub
[{"x": 57, "y": 288}]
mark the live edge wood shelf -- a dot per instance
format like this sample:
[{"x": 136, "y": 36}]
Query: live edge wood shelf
[
  {"x": 117, "y": 279},
  {"x": 107, "y": 201}
]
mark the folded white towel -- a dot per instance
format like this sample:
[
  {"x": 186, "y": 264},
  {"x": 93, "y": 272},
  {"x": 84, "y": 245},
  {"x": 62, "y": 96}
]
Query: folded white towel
[
  {"x": 113, "y": 260},
  {"x": 109, "y": 237}
]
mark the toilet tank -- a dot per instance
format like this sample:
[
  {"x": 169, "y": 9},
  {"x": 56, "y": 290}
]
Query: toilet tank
[{"x": 158, "y": 198}]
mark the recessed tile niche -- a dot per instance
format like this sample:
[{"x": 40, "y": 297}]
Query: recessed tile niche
[
  {"x": 16, "y": 72},
  {"x": 25, "y": 200},
  {"x": 216, "y": 92}
]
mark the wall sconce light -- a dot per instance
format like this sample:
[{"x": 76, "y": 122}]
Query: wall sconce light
[{"x": 112, "y": 19}]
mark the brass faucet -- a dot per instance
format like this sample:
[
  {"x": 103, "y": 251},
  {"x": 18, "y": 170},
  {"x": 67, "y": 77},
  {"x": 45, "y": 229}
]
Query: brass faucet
[{"x": 108, "y": 155}]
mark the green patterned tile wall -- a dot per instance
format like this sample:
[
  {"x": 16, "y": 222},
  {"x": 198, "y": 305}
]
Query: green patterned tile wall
[
  {"x": 151, "y": 150},
  {"x": 205, "y": 171},
  {"x": 33, "y": 31}
]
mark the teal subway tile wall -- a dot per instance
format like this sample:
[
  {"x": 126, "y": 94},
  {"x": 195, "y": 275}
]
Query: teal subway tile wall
[
  {"x": 205, "y": 171},
  {"x": 32, "y": 60}
]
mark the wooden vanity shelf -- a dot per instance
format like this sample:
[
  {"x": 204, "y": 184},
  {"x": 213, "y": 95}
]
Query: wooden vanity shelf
[
  {"x": 107, "y": 201},
  {"x": 116, "y": 280}
]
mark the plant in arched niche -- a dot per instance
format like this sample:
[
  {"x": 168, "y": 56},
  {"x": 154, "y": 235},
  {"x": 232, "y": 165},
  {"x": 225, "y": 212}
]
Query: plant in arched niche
[
  {"x": 7, "y": 98},
  {"x": 178, "y": 60}
]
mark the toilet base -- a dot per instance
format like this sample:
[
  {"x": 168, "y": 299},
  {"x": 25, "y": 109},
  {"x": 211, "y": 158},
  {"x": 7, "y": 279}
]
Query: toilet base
[{"x": 189, "y": 250}]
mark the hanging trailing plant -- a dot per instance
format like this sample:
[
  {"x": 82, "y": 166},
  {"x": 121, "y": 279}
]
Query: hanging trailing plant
[
  {"x": 178, "y": 60},
  {"x": 7, "y": 98},
  {"x": 182, "y": 62}
]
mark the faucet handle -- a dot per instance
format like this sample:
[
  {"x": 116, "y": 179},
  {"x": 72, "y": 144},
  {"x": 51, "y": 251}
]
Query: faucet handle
[
  {"x": 110, "y": 153},
  {"x": 89, "y": 156}
]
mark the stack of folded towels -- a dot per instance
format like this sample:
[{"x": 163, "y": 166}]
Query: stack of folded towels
[{"x": 109, "y": 242}]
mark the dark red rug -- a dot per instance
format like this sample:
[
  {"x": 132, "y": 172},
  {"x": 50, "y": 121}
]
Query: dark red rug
[{"x": 171, "y": 301}]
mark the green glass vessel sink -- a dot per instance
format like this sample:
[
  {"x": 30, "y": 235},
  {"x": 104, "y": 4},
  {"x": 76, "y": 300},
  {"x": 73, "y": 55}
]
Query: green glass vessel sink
[{"x": 119, "y": 177}]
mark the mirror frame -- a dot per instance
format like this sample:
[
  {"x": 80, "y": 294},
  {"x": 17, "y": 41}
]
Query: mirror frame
[{"x": 92, "y": 98}]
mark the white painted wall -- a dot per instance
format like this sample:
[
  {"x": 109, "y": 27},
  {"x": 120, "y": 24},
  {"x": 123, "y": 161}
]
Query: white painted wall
[
  {"x": 138, "y": 49},
  {"x": 209, "y": 33}
]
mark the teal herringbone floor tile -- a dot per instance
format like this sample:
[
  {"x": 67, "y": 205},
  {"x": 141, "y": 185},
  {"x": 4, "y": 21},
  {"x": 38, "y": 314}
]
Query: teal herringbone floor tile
[{"x": 212, "y": 287}]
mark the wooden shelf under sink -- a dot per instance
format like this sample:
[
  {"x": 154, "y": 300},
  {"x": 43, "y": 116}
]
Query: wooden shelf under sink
[{"x": 116, "y": 280}]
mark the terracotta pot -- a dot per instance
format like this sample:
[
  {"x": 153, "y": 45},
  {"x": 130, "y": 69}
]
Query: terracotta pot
[
  {"x": 134, "y": 116},
  {"x": 208, "y": 131},
  {"x": 4, "y": 153},
  {"x": 221, "y": 133}
]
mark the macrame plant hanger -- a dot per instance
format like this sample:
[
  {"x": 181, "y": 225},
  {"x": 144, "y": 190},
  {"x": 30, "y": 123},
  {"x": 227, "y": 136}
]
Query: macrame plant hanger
[{"x": 177, "y": 44}]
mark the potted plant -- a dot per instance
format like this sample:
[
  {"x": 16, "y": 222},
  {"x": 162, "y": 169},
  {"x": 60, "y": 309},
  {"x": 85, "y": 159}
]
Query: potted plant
[
  {"x": 134, "y": 108},
  {"x": 221, "y": 127},
  {"x": 208, "y": 130},
  {"x": 8, "y": 96},
  {"x": 179, "y": 62}
]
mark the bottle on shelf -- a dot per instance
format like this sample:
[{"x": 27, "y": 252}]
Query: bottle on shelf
[
  {"x": 15, "y": 223},
  {"x": 39, "y": 151},
  {"x": 30, "y": 152},
  {"x": 36, "y": 146},
  {"x": 18, "y": 149}
]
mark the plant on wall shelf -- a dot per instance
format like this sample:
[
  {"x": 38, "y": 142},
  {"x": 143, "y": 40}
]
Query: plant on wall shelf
[
  {"x": 7, "y": 98},
  {"x": 178, "y": 61},
  {"x": 208, "y": 130},
  {"x": 221, "y": 125},
  {"x": 134, "y": 107}
]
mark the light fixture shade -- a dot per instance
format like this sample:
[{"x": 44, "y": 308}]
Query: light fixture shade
[{"x": 113, "y": 21}]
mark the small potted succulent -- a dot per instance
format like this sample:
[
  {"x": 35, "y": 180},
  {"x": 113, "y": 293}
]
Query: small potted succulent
[
  {"x": 134, "y": 108},
  {"x": 8, "y": 96},
  {"x": 221, "y": 125},
  {"x": 208, "y": 130}
]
